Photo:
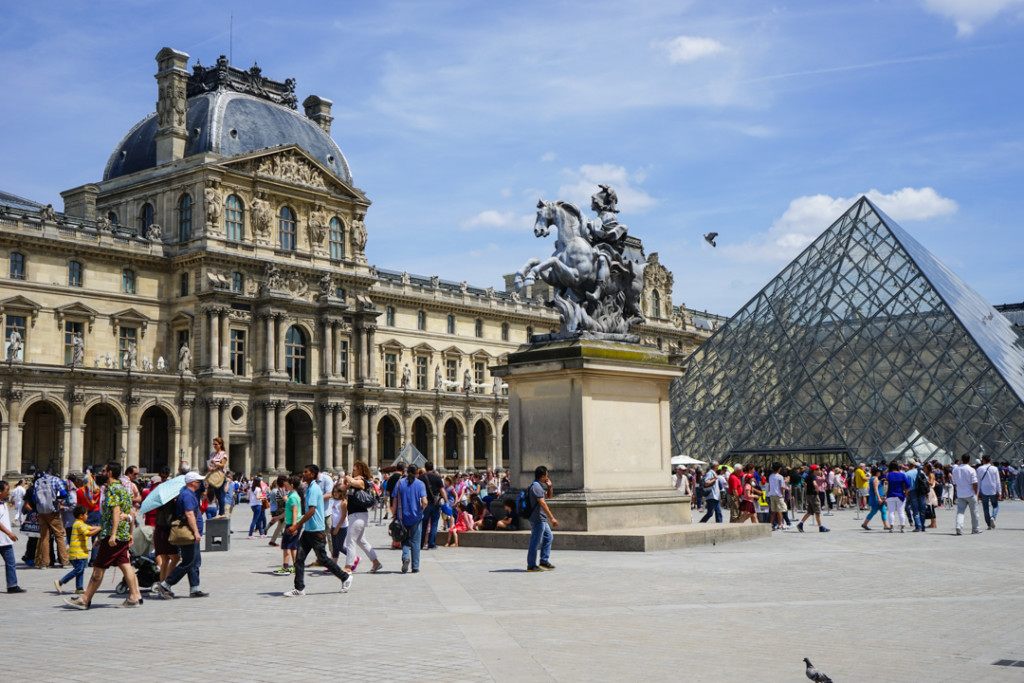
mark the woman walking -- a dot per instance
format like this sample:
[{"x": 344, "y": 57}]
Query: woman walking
[
  {"x": 875, "y": 500},
  {"x": 896, "y": 496},
  {"x": 358, "y": 516},
  {"x": 258, "y": 501},
  {"x": 932, "y": 499}
]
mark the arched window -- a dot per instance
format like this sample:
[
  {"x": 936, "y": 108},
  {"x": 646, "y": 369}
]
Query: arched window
[
  {"x": 336, "y": 239},
  {"x": 451, "y": 324},
  {"x": 128, "y": 281},
  {"x": 655, "y": 304},
  {"x": 112, "y": 217},
  {"x": 234, "y": 219},
  {"x": 295, "y": 355},
  {"x": 145, "y": 217},
  {"x": 504, "y": 332},
  {"x": 184, "y": 218},
  {"x": 389, "y": 316},
  {"x": 286, "y": 228}
]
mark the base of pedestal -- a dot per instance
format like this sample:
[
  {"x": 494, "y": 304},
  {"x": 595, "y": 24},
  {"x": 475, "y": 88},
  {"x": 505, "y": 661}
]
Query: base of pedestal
[
  {"x": 619, "y": 509},
  {"x": 623, "y": 540}
]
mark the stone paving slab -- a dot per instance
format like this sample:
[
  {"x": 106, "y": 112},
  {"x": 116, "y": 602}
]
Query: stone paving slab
[{"x": 864, "y": 606}]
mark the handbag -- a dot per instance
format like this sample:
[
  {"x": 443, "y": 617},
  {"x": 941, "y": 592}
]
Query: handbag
[
  {"x": 30, "y": 525},
  {"x": 181, "y": 533},
  {"x": 363, "y": 497},
  {"x": 398, "y": 531},
  {"x": 215, "y": 479}
]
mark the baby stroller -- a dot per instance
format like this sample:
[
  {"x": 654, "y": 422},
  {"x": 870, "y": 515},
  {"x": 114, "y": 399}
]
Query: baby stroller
[{"x": 146, "y": 572}]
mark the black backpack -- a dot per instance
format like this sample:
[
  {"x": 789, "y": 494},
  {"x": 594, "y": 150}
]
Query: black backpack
[
  {"x": 524, "y": 506},
  {"x": 921, "y": 485}
]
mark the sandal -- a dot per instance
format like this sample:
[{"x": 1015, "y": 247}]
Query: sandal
[{"x": 76, "y": 603}]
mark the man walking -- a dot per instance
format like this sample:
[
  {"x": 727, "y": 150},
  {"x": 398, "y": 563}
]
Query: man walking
[
  {"x": 814, "y": 481},
  {"x": 187, "y": 510},
  {"x": 408, "y": 503},
  {"x": 776, "y": 496},
  {"x": 990, "y": 487},
  {"x": 435, "y": 489},
  {"x": 7, "y": 539},
  {"x": 965, "y": 479},
  {"x": 541, "y": 522},
  {"x": 916, "y": 499},
  {"x": 713, "y": 483},
  {"x": 735, "y": 493},
  {"x": 49, "y": 491},
  {"x": 313, "y": 536}
]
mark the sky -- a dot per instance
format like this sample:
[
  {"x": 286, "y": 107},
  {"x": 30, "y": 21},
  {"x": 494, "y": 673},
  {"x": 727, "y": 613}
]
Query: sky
[{"x": 760, "y": 121}]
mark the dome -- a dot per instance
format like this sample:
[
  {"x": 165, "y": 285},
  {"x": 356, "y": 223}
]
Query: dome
[{"x": 230, "y": 124}]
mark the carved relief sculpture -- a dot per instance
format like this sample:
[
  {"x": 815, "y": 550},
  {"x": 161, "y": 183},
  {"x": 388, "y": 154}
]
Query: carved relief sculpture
[
  {"x": 261, "y": 218},
  {"x": 326, "y": 285},
  {"x": 213, "y": 200},
  {"x": 161, "y": 364},
  {"x": 317, "y": 227},
  {"x": 153, "y": 233}
]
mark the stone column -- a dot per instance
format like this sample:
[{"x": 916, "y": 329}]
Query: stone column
[
  {"x": 270, "y": 447},
  {"x": 325, "y": 349},
  {"x": 364, "y": 434},
  {"x": 467, "y": 450},
  {"x": 495, "y": 449},
  {"x": 225, "y": 343},
  {"x": 332, "y": 365},
  {"x": 337, "y": 462},
  {"x": 134, "y": 427},
  {"x": 438, "y": 455},
  {"x": 214, "y": 328},
  {"x": 14, "y": 426},
  {"x": 371, "y": 454},
  {"x": 212, "y": 422},
  {"x": 269, "y": 344},
  {"x": 186, "y": 444},
  {"x": 327, "y": 442},
  {"x": 4, "y": 431},
  {"x": 75, "y": 454},
  {"x": 282, "y": 436},
  {"x": 224, "y": 406},
  {"x": 361, "y": 354},
  {"x": 371, "y": 356},
  {"x": 278, "y": 343}
]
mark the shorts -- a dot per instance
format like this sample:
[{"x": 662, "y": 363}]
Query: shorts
[
  {"x": 813, "y": 504},
  {"x": 107, "y": 557},
  {"x": 777, "y": 504},
  {"x": 863, "y": 492},
  {"x": 747, "y": 506},
  {"x": 289, "y": 541},
  {"x": 161, "y": 544}
]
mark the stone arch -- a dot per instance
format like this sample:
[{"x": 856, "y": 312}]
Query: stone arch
[
  {"x": 389, "y": 435},
  {"x": 55, "y": 401},
  {"x": 156, "y": 438},
  {"x": 483, "y": 437},
  {"x": 42, "y": 439},
  {"x": 103, "y": 421},
  {"x": 298, "y": 438},
  {"x": 422, "y": 435},
  {"x": 164, "y": 405},
  {"x": 452, "y": 433},
  {"x": 113, "y": 405}
]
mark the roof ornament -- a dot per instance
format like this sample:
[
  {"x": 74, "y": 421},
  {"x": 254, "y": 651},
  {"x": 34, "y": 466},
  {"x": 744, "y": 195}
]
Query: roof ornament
[{"x": 223, "y": 76}]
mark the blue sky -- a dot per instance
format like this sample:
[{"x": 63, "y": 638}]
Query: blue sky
[{"x": 760, "y": 121}]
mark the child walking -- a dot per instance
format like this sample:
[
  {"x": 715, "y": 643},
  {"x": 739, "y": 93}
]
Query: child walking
[
  {"x": 290, "y": 542},
  {"x": 78, "y": 551}
]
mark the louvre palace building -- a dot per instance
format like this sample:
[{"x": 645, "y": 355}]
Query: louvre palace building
[{"x": 215, "y": 283}]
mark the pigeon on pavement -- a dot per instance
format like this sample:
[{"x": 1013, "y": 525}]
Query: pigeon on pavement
[{"x": 814, "y": 674}]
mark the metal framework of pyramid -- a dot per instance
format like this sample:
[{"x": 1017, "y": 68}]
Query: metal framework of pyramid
[{"x": 864, "y": 338}]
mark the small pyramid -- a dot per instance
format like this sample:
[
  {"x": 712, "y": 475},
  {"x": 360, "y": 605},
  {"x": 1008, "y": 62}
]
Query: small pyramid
[{"x": 863, "y": 338}]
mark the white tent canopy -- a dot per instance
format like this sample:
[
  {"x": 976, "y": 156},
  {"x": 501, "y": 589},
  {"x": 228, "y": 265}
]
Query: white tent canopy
[
  {"x": 685, "y": 460},
  {"x": 916, "y": 447}
]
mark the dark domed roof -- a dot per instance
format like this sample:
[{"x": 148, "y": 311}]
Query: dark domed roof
[{"x": 230, "y": 123}]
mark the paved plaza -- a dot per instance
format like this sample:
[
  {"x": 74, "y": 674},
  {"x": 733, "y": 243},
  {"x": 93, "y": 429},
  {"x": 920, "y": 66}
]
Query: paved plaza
[{"x": 863, "y": 606}]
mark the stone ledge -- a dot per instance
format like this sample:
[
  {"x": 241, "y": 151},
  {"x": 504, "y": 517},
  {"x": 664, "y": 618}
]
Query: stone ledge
[{"x": 623, "y": 540}]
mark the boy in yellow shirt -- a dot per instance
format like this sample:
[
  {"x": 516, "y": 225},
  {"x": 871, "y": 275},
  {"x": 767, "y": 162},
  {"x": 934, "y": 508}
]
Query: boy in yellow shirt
[{"x": 78, "y": 550}]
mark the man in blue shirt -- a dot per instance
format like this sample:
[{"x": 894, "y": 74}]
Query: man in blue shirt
[
  {"x": 916, "y": 502},
  {"x": 187, "y": 510},
  {"x": 409, "y": 499},
  {"x": 541, "y": 521},
  {"x": 313, "y": 536}
]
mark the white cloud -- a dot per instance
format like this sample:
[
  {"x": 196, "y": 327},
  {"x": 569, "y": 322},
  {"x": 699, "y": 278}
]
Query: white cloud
[
  {"x": 970, "y": 14},
  {"x": 807, "y": 217},
  {"x": 584, "y": 181},
  {"x": 497, "y": 220},
  {"x": 548, "y": 157},
  {"x": 686, "y": 49}
]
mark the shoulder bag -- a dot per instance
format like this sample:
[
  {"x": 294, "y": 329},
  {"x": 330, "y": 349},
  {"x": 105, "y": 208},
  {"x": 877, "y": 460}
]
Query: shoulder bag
[
  {"x": 181, "y": 533},
  {"x": 398, "y": 531}
]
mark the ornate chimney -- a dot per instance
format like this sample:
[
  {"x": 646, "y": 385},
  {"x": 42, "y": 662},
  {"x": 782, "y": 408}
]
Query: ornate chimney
[
  {"x": 171, "y": 105},
  {"x": 319, "y": 110}
]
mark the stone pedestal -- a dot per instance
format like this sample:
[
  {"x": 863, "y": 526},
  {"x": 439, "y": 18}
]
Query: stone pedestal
[{"x": 597, "y": 415}]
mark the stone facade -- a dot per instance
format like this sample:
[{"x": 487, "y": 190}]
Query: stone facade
[{"x": 298, "y": 350}]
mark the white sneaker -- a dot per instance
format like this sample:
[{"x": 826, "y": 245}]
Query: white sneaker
[
  {"x": 294, "y": 593},
  {"x": 346, "y": 584}
]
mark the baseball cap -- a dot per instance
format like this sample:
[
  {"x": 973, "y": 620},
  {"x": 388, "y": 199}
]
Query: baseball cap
[{"x": 192, "y": 476}]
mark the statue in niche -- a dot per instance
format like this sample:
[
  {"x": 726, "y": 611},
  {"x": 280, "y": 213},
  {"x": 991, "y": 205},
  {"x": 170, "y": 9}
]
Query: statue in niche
[
  {"x": 467, "y": 380},
  {"x": 438, "y": 378},
  {"x": 272, "y": 277},
  {"x": 14, "y": 346},
  {"x": 326, "y": 285},
  {"x": 153, "y": 233},
  {"x": 406, "y": 376},
  {"x": 184, "y": 358},
  {"x": 316, "y": 227},
  {"x": 596, "y": 278},
  {"x": 213, "y": 199},
  {"x": 131, "y": 356},
  {"x": 260, "y": 216},
  {"x": 77, "y": 350},
  {"x": 359, "y": 234}
]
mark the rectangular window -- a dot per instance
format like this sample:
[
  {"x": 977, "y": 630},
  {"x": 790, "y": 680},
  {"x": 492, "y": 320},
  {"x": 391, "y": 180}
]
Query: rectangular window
[
  {"x": 128, "y": 281},
  {"x": 15, "y": 323},
  {"x": 237, "y": 282},
  {"x": 183, "y": 285},
  {"x": 126, "y": 337},
  {"x": 389, "y": 316},
  {"x": 504, "y": 332},
  {"x": 451, "y": 371},
  {"x": 343, "y": 358},
  {"x": 422, "y": 368},
  {"x": 421, "y": 320},
  {"x": 479, "y": 328},
  {"x": 339, "y": 292},
  {"x": 451, "y": 324},
  {"x": 390, "y": 370},
  {"x": 17, "y": 266},
  {"x": 478, "y": 376},
  {"x": 238, "y": 352},
  {"x": 69, "y": 339},
  {"x": 74, "y": 274}
]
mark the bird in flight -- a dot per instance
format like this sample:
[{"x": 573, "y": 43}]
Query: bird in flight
[{"x": 710, "y": 238}]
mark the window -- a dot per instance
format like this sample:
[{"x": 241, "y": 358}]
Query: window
[
  {"x": 504, "y": 332},
  {"x": 655, "y": 304},
  {"x": 128, "y": 281},
  {"x": 145, "y": 217},
  {"x": 295, "y": 354},
  {"x": 529, "y": 334},
  {"x": 389, "y": 316},
  {"x": 339, "y": 292},
  {"x": 15, "y": 323},
  {"x": 343, "y": 358},
  {"x": 238, "y": 352},
  {"x": 70, "y": 328},
  {"x": 126, "y": 337},
  {"x": 390, "y": 370},
  {"x": 112, "y": 217},
  {"x": 286, "y": 228},
  {"x": 234, "y": 219},
  {"x": 451, "y": 371},
  {"x": 183, "y": 285},
  {"x": 17, "y": 266},
  {"x": 422, "y": 368},
  {"x": 479, "y": 328},
  {"x": 185, "y": 218},
  {"x": 421, "y": 320},
  {"x": 237, "y": 282},
  {"x": 336, "y": 239},
  {"x": 478, "y": 376},
  {"x": 451, "y": 324},
  {"x": 74, "y": 274}
]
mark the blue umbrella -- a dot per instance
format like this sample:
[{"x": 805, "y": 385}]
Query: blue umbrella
[{"x": 164, "y": 493}]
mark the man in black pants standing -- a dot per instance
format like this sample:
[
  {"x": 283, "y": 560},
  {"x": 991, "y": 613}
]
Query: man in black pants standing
[{"x": 435, "y": 488}]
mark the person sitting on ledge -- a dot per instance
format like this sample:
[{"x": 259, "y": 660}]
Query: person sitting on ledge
[
  {"x": 463, "y": 523},
  {"x": 511, "y": 520}
]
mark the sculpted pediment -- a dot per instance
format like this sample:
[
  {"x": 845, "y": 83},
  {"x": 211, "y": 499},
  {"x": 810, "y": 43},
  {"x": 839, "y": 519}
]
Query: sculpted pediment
[{"x": 291, "y": 164}]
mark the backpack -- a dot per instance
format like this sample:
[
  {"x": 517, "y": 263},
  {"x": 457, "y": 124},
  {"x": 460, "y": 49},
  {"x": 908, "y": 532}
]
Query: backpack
[
  {"x": 921, "y": 485},
  {"x": 524, "y": 506}
]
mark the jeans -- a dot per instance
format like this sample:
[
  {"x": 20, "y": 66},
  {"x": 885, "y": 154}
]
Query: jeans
[
  {"x": 7, "y": 552},
  {"x": 191, "y": 559},
  {"x": 222, "y": 496},
  {"x": 961, "y": 504},
  {"x": 917, "y": 502},
  {"x": 876, "y": 507},
  {"x": 317, "y": 542},
  {"x": 77, "y": 573},
  {"x": 540, "y": 537},
  {"x": 990, "y": 499},
  {"x": 259, "y": 520},
  {"x": 411, "y": 545},
  {"x": 338, "y": 542},
  {"x": 432, "y": 514},
  {"x": 714, "y": 508}
]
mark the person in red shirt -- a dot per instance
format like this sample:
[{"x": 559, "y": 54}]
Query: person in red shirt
[
  {"x": 90, "y": 500},
  {"x": 735, "y": 493}
]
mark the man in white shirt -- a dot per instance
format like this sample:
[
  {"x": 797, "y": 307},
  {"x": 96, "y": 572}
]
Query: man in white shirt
[
  {"x": 714, "y": 484},
  {"x": 680, "y": 482},
  {"x": 991, "y": 489},
  {"x": 18, "y": 502},
  {"x": 776, "y": 496},
  {"x": 965, "y": 479}
]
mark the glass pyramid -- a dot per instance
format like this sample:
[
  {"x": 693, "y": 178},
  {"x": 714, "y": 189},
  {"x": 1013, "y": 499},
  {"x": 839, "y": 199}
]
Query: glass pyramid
[{"x": 864, "y": 338}]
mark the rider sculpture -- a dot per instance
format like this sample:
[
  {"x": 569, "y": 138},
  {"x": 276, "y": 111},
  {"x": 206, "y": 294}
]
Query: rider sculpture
[{"x": 596, "y": 277}]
